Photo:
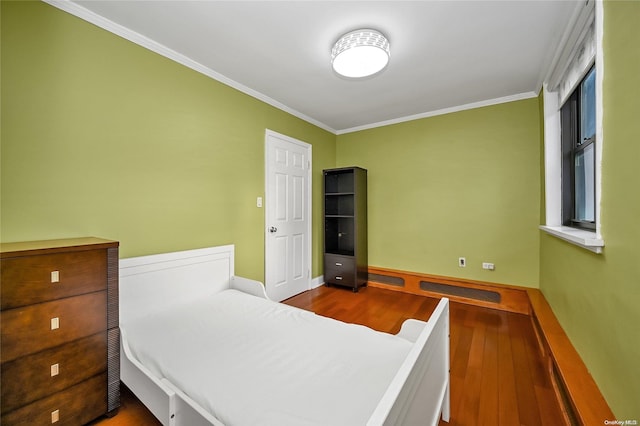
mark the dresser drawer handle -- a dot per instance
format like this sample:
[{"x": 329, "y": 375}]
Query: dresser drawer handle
[
  {"x": 55, "y": 323},
  {"x": 338, "y": 264},
  {"x": 338, "y": 278},
  {"x": 55, "y": 276},
  {"x": 55, "y": 370},
  {"x": 55, "y": 416}
]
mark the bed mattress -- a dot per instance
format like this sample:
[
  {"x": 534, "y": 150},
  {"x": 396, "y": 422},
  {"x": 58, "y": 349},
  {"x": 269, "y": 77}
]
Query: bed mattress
[{"x": 251, "y": 361}]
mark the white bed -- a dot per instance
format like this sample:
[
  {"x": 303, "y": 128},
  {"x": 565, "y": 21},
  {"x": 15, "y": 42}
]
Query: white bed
[{"x": 201, "y": 346}]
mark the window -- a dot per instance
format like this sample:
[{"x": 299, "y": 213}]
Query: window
[
  {"x": 578, "y": 135},
  {"x": 573, "y": 137}
]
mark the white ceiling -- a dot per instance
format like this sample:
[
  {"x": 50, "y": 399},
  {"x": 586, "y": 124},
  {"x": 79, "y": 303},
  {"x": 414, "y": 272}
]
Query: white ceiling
[{"x": 445, "y": 55}]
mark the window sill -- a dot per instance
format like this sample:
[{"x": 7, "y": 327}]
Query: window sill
[{"x": 579, "y": 237}]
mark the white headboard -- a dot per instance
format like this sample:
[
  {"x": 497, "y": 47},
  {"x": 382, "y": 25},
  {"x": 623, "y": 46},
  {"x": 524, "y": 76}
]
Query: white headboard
[{"x": 155, "y": 282}]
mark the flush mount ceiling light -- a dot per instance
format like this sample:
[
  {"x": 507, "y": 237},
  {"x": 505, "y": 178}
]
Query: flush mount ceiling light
[{"x": 360, "y": 53}]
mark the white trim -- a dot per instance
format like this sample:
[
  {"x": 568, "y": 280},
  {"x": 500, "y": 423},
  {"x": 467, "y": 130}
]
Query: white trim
[
  {"x": 570, "y": 42},
  {"x": 579, "y": 237},
  {"x": 317, "y": 282},
  {"x": 552, "y": 158},
  {"x": 473, "y": 105},
  {"x": 553, "y": 59},
  {"x": 599, "y": 18},
  {"x": 137, "y": 38}
]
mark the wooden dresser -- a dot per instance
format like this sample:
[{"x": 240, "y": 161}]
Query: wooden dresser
[{"x": 60, "y": 337}]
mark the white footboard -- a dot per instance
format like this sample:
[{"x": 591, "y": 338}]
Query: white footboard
[{"x": 419, "y": 393}]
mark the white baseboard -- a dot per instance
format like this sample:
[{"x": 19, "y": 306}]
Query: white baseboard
[{"x": 317, "y": 282}]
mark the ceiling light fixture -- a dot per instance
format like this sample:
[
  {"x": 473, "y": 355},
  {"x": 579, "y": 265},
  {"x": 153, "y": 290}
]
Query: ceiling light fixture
[{"x": 360, "y": 53}]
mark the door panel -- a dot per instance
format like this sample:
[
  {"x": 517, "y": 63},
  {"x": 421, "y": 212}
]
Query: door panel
[
  {"x": 281, "y": 255},
  {"x": 298, "y": 261},
  {"x": 281, "y": 197},
  {"x": 298, "y": 198}
]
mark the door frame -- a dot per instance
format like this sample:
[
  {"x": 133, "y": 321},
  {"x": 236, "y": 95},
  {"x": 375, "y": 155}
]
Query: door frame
[{"x": 268, "y": 204}]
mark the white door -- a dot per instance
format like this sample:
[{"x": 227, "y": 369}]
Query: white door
[{"x": 287, "y": 216}]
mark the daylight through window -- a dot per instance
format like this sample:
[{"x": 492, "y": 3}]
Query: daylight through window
[{"x": 578, "y": 127}]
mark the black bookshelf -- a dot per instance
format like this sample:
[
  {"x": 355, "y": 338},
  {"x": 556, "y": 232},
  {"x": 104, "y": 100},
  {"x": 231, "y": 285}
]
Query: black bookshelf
[{"x": 345, "y": 227}]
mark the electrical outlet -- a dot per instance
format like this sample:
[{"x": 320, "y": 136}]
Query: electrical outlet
[
  {"x": 488, "y": 266},
  {"x": 462, "y": 262}
]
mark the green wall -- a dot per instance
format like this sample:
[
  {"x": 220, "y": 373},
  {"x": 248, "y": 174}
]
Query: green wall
[
  {"x": 597, "y": 297},
  {"x": 103, "y": 137},
  {"x": 463, "y": 184}
]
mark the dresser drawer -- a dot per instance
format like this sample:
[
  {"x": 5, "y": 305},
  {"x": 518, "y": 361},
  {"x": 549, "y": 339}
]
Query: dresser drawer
[
  {"x": 36, "y": 376},
  {"x": 339, "y": 270},
  {"x": 75, "y": 406},
  {"x": 34, "y": 279},
  {"x": 31, "y": 329}
]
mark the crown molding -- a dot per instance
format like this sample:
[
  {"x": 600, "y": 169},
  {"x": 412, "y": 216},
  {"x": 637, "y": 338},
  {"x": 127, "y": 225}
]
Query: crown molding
[{"x": 473, "y": 105}]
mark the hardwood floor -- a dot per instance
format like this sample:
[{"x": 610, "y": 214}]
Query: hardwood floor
[
  {"x": 497, "y": 374},
  {"x": 131, "y": 413}
]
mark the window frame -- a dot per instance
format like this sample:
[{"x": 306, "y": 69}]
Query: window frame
[
  {"x": 583, "y": 40},
  {"x": 572, "y": 144}
]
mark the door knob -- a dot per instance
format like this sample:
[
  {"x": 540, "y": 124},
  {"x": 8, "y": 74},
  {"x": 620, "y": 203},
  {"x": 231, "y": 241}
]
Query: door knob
[{"x": 273, "y": 229}]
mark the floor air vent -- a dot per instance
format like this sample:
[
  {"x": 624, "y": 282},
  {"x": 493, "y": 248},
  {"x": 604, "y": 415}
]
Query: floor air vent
[
  {"x": 469, "y": 293},
  {"x": 387, "y": 279}
]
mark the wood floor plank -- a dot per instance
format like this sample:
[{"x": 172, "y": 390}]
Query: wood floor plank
[
  {"x": 508, "y": 413},
  {"x": 525, "y": 390},
  {"x": 470, "y": 404},
  {"x": 488, "y": 414},
  {"x": 131, "y": 413},
  {"x": 457, "y": 393},
  {"x": 460, "y": 352}
]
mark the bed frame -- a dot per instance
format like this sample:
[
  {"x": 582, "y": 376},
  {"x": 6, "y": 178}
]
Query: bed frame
[{"x": 418, "y": 394}]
